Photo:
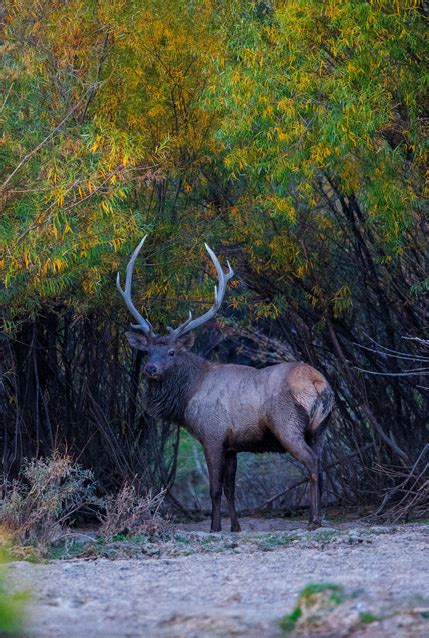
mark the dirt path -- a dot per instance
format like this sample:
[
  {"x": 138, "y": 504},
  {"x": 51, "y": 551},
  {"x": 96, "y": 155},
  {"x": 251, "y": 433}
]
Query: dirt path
[{"x": 237, "y": 585}]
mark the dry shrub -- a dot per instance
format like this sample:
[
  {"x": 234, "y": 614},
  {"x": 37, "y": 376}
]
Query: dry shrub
[
  {"x": 130, "y": 513},
  {"x": 36, "y": 507},
  {"x": 409, "y": 495}
]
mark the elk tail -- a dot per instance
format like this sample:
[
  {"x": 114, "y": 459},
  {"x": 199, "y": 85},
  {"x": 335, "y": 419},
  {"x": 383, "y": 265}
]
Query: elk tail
[{"x": 321, "y": 408}]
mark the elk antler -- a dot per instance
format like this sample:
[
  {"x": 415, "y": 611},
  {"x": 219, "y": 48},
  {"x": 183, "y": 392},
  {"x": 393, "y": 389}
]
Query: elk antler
[
  {"x": 142, "y": 324},
  {"x": 219, "y": 293}
]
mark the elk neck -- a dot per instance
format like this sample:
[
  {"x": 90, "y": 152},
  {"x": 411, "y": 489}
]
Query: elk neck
[{"x": 168, "y": 397}]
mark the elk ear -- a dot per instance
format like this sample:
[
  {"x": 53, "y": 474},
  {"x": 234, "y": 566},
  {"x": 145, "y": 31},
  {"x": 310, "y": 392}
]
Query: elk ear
[
  {"x": 137, "y": 341},
  {"x": 187, "y": 341}
]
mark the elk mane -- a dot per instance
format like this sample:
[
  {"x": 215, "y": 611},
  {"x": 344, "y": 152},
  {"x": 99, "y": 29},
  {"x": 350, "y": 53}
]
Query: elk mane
[{"x": 168, "y": 397}]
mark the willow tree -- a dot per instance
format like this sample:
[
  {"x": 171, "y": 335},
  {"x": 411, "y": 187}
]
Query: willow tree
[
  {"x": 103, "y": 134},
  {"x": 103, "y": 140},
  {"x": 324, "y": 125}
]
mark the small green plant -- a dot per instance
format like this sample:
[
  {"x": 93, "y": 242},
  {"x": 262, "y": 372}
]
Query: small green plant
[
  {"x": 179, "y": 538},
  {"x": 367, "y": 618},
  {"x": 66, "y": 550},
  {"x": 322, "y": 535},
  {"x": 288, "y": 622},
  {"x": 313, "y": 594},
  {"x": 336, "y": 594},
  {"x": 271, "y": 541}
]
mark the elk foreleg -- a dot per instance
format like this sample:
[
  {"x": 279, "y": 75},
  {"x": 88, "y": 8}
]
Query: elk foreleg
[
  {"x": 229, "y": 488},
  {"x": 215, "y": 459}
]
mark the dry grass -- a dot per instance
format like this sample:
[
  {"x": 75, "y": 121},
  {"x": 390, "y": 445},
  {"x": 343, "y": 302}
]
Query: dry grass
[
  {"x": 129, "y": 513},
  {"x": 35, "y": 509}
]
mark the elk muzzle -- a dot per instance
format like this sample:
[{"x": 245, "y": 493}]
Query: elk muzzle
[{"x": 152, "y": 371}]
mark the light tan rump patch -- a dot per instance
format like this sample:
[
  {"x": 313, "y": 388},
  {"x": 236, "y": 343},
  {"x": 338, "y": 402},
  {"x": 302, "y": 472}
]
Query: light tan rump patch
[{"x": 306, "y": 384}]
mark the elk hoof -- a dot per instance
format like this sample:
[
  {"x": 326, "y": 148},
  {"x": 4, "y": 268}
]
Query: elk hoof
[{"x": 313, "y": 525}]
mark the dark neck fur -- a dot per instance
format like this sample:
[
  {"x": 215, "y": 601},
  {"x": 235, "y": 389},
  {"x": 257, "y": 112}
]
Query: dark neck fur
[{"x": 167, "y": 398}]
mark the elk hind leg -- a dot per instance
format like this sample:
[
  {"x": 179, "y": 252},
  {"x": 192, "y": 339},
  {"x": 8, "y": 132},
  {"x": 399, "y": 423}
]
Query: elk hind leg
[
  {"x": 229, "y": 488},
  {"x": 289, "y": 428},
  {"x": 303, "y": 453},
  {"x": 316, "y": 440}
]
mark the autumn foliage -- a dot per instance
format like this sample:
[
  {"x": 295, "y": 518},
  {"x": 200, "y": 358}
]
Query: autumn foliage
[{"x": 291, "y": 136}]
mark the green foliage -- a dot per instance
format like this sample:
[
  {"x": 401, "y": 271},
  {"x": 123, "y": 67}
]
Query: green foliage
[
  {"x": 335, "y": 592},
  {"x": 101, "y": 103},
  {"x": 12, "y": 605},
  {"x": 367, "y": 618},
  {"x": 288, "y": 622},
  {"x": 324, "y": 109},
  {"x": 313, "y": 595},
  {"x": 120, "y": 120}
]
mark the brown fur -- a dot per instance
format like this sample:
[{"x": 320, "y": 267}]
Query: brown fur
[{"x": 232, "y": 408}]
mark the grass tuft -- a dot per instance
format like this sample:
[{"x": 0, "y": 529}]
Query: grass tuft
[
  {"x": 288, "y": 622},
  {"x": 367, "y": 618},
  {"x": 336, "y": 592}
]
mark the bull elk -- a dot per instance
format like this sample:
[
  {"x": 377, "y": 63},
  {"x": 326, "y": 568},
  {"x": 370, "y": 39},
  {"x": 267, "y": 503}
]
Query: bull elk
[{"x": 232, "y": 408}]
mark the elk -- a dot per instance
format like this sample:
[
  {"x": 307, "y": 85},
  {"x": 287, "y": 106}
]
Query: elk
[{"x": 232, "y": 408}]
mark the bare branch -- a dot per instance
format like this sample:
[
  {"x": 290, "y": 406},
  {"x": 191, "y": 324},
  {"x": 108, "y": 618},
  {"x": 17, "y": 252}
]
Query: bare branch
[{"x": 408, "y": 373}]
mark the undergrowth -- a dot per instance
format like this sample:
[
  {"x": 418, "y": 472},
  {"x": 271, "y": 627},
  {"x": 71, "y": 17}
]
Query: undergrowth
[
  {"x": 319, "y": 608},
  {"x": 37, "y": 510},
  {"x": 129, "y": 513},
  {"x": 37, "y": 507}
]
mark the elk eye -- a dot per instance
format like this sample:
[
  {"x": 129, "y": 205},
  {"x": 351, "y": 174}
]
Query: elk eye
[{"x": 171, "y": 353}]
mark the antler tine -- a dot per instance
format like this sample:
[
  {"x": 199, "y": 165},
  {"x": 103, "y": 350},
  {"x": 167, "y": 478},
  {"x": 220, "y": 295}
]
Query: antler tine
[
  {"x": 142, "y": 323},
  {"x": 219, "y": 293},
  {"x": 183, "y": 325}
]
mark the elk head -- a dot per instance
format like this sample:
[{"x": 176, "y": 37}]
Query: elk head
[{"x": 165, "y": 352}]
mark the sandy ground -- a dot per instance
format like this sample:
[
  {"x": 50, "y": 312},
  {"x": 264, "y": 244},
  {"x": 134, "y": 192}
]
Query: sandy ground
[{"x": 238, "y": 587}]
